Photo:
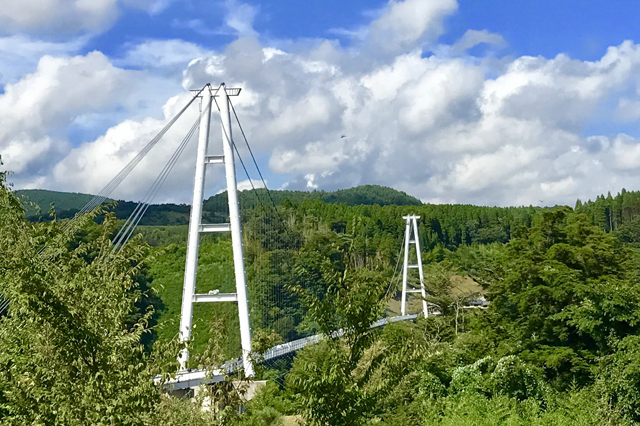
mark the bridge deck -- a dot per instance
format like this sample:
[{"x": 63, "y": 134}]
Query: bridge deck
[{"x": 191, "y": 378}]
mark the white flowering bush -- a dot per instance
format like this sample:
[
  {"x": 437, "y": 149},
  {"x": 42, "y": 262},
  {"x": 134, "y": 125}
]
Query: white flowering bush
[
  {"x": 471, "y": 378},
  {"x": 517, "y": 379}
]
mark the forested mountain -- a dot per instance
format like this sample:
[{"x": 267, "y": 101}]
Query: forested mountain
[
  {"x": 359, "y": 195},
  {"x": 43, "y": 198},
  {"x": 67, "y": 204},
  {"x": 366, "y": 211}
]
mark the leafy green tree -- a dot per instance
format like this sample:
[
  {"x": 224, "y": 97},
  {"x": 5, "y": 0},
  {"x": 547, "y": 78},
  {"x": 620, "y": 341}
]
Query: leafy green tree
[
  {"x": 323, "y": 381},
  {"x": 619, "y": 377},
  {"x": 568, "y": 291},
  {"x": 71, "y": 353}
]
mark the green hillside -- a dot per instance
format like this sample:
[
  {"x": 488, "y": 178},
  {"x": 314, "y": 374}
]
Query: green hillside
[
  {"x": 67, "y": 204},
  {"x": 215, "y": 208},
  {"x": 43, "y": 198},
  {"x": 360, "y": 195}
]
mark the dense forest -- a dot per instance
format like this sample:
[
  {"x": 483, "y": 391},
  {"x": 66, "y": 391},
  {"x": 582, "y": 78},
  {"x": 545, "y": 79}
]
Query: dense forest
[
  {"x": 559, "y": 342},
  {"x": 38, "y": 203}
]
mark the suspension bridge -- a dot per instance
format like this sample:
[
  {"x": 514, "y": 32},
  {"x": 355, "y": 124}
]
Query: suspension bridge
[{"x": 206, "y": 156}]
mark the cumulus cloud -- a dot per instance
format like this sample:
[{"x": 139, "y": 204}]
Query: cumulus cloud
[
  {"x": 35, "y": 111},
  {"x": 437, "y": 127},
  {"x": 67, "y": 16},
  {"x": 19, "y": 54},
  {"x": 91, "y": 166},
  {"x": 405, "y": 24},
  {"x": 442, "y": 127},
  {"x": 248, "y": 184},
  {"x": 87, "y": 92},
  {"x": 168, "y": 57}
]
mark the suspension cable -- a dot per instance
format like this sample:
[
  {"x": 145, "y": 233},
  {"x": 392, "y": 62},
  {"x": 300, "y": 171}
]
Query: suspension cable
[
  {"x": 276, "y": 297},
  {"x": 244, "y": 136},
  {"x": 102, "y": 195},
  {"x": 117, "y": 180},
  {"x": 239, "y": 156},
  {"x": 396, "y": 268},
  {"x": 126, "y": 231}
]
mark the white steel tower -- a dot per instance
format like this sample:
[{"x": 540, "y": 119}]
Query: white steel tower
[
  {"x": 412, "y": 224},
  {"x": 189, "y": 296}
]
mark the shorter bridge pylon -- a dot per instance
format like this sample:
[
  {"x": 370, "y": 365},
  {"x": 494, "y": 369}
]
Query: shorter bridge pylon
[{"x": 412, "y": 225}]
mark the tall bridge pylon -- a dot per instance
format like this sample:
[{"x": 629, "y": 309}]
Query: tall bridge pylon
[
  {"x": 412, "y": 225},
  {"x": 196, "y": 227}
]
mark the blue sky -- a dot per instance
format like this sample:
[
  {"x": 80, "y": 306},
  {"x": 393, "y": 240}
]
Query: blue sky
[
  {"x": 581, "y": 29},
  {"x": 490, "y": 102}
]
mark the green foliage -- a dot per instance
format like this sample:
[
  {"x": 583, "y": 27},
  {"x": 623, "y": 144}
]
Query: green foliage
[
  {"x": 567, "y": 289},
  {"x": 215, "y": 272},
  {"x": 322, "y": 387},
  {"x": 67, "y": 204},
  {"x": 514, "y": 378},
  {"x": 359, "y": 195},
  {"x": 324, "y": 381},
  {"x": 557, "y": 345},
  {"x": 617, "y": 213},
  {"x": 267, "y": 407},
  {"x": 430, "y": 387},
  {"x": 472, "y": 378},
  {"x": 619, "y": 378},
  {"x": 577, "y": 408},
  {"x": 72, "y": 352}
]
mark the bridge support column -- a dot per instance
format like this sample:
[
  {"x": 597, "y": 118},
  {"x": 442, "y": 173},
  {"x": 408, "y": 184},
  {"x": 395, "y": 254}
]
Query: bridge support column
[
  {"x": 189, "y": 296},
  {"x": 236, "y": 231},
  {"x": 189, "y": 288},
  {"x": 412, "y": 224}
]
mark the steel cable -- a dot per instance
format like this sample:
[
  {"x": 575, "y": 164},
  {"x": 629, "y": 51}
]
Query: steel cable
[
  {"x": 132, "y": 222},
  {"x": 117, "y": 180}
]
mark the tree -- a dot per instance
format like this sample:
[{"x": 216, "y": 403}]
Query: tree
[
  {"x": 567, "y": 292},
  {"x": 322, "y": 380},
  {"x": 71, "y": 353}
]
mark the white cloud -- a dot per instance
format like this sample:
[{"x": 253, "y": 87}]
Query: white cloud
[
  {"x": 57, "y": 15},
  {"x": 472, "y": 38},
  {"x": 445, "y": 128},
  {"x": 87, "y": 93},
  {"x": 249, "y": 184},
  {"x": 19, "y": 54},
  {"x": 67, "y": 16},
  {"x": 436, "y": 127},
  {"x": 152, "y": 7},
  {"x": 405, "y": 24},
  {"x": 91, "y": 166},
  {"x": 239, "y": 17},
  {"x": 169, "y": 57},
  {"x": 35, "y": 111},
  {"x": 237, "y": 21},
  {"x": 628, "y": 110}
]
